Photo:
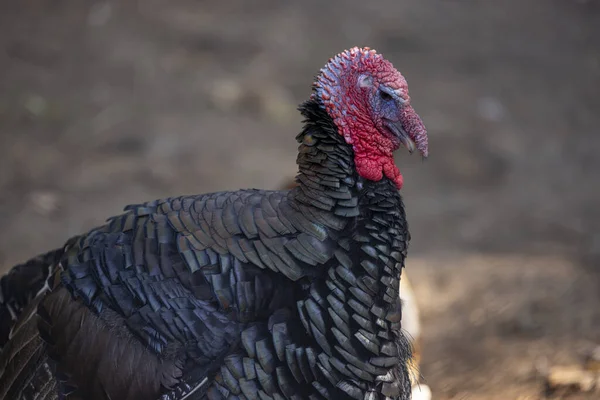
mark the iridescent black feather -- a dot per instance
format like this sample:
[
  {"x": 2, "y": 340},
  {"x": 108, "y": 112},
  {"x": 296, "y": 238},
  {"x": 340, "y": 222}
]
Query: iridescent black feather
[{"x": 234, "y": 295}]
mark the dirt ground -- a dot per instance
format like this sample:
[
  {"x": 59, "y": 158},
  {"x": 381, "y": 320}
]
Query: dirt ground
[{"x": 103, "y": 104}]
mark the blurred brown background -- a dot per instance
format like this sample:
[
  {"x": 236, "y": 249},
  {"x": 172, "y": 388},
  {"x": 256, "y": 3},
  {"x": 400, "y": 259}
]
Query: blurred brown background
[{"x": 107, "y": 103}]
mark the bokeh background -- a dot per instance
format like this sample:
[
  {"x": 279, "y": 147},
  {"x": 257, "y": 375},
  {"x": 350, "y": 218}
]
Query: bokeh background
[{"x": 106, "y": 103}]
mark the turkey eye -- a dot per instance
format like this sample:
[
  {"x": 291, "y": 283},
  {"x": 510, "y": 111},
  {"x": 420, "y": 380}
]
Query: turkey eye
[{"x": 385, "y": 96}]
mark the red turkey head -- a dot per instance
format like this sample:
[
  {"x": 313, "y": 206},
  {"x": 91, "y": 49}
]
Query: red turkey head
[{"x": 369, "y": 103}]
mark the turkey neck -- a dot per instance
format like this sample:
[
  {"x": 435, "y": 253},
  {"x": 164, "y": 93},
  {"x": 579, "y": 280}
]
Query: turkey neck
[
  {"x": 327, "y": 179},
  {"x": 354, "y": 311}
]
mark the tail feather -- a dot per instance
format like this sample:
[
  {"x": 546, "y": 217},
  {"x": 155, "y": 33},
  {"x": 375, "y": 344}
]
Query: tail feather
[{"x": 20, "y": 286}]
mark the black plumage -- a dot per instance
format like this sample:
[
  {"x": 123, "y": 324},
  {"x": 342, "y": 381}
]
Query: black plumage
[{"x": 233, "y": 295}]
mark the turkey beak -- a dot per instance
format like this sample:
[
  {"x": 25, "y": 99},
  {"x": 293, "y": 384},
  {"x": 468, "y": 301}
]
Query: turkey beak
[
  {"x": 398, "y": 129},
  {"x": 410, "y": 131}
]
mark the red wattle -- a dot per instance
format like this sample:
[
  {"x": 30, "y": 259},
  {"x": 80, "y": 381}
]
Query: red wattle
[
  {"x": 374, "y": 168},
  {"x": 373, "y": 152}
]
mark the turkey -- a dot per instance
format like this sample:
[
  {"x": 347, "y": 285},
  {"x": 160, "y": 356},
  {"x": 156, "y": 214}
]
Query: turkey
[{"x": 250, "y": 294}]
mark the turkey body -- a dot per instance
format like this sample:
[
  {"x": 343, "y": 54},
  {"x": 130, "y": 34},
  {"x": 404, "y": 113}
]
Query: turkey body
[{"x": 234, "y": 295}]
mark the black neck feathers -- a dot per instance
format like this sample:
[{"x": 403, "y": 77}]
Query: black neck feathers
[{"x": 327, "y": 178}]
